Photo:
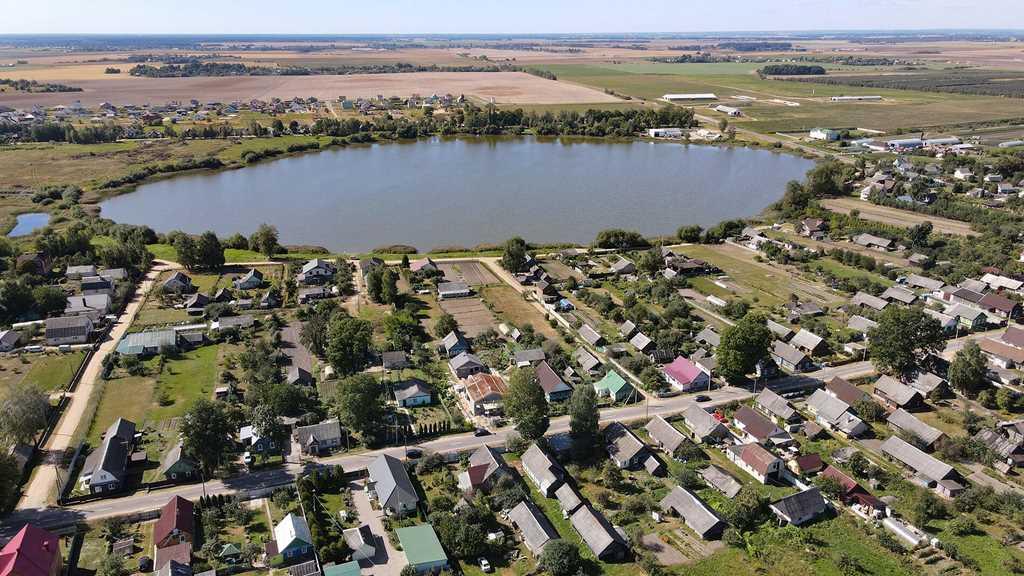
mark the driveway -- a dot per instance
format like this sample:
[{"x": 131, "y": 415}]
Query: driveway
[{"x": 388, "y": 561}]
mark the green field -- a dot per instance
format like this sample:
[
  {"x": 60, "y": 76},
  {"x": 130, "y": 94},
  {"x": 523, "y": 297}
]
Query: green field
[
  {"x": 46, "y": 372},
  {"x": 900, "y": 109}
]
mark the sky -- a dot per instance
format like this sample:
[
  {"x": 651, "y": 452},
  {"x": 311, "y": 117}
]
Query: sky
[{"x": 496, "y": 16}]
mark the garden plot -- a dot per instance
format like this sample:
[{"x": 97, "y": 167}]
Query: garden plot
[
  {"x": 472, "y": 315},
  {"x": 467, "y": 271}
]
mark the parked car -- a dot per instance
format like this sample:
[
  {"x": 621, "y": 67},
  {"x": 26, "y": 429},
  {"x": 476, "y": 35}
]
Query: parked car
[
  {"x": 481, "y": 432},
  {"x": 485, "y": 566},
  {"x": 703, "y": 398}
]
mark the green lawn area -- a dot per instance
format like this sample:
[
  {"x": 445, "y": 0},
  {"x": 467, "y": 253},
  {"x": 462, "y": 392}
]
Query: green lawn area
[
  {"x": 46, "y": 372},
  {"x": 840, "y": 270}
]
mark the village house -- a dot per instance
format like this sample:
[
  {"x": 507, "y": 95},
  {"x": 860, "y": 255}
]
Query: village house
[
  {"x": 666, "y": 436},
  {"x": 599, "y": 535},
  {"x": 697, "y": 515},
  {"x": 390, "y": 486},
  {"x": 96, "y": 285},
  {"x": 9, "y": 340},
  {"x": 790, "y": 358},
  {"x": 555, "y": 389},
  {"x": 755, "y": 460},
  {"x": 485, "y": 393},
  {"x": 685, "y": 376},
  {"x": 250, "y": 281},
  {"x": 757, "y": 428},
  {"x": 546, "y": 474},
  {"x": 806, "y": 464},
  {"x": 32, "y": 552},
  {"x": 148, "y": 343},
  {"x": 92, "y": 306},
  {"x": 708, "y": 337},
  {"x": 106, "y": 467},
  {"x": 928, "y": 471},
  {"x": 1000, "y": 306},
  {"x": 454, "y": 344},
  {"x": 835, "y": 414},
  {"x": 568, "y": 499},
  {"x": 361, "y": 541},
  {"x": 484, "y": 469},
  {"x": 178, "y": 467},
  {"x": 412, "y": 392},
  {"x": 465, "y": 365},
  {"x": 909, "y": 425},
  {"x": 721, "y": 480},
  {"x": 629, "y": 452},
  {"x": 449, "y": 290},
  {"x": 176, "y": 523},
  {"x": 1009, "y": 448},
  {"x": 800, "y": 508},
  {"x": 778, "y": 409},
  {"x": 641, "y": 342},
  {"x": 533, "y": 527},
  {"x": 79, "y": 272},
  {"x": 703, "y": 427},
  {"x": 1001, "y": 354},
  {"x": 316, "y": 271},
  {"x": 930, "y": 385},
  {"x": 853, "y": 494},
  {"x": 423, "y": 551},
  {"x": 968, "y": 317},
  {"x": 317, "y": 439},
  {"x": 252, "y": 438},
  {"x": 307, "y": 295},
  {"x": 780, "y": 331},
  {"x": 590, "y": 336},
  {"x": 808, "y": 342},
  {"x": 843, "y": 390},
  {"x": 587, "y": 362},
  {"x": 867, "y": 300},
  {"x": 177, "y": 283},
  {"x": 292, "y": 538},
  {"x": 68, "y": 330},
  {"x": 423, "y": 265},
  {"x": 895, "y": 394},
  {"x": 613, "y": 386},
  {"x": 873, "y": 242},
  {"x": 814, "y": 228},
  {"x": 528, "y": 357},
  {"x": 898, "y": 294}
]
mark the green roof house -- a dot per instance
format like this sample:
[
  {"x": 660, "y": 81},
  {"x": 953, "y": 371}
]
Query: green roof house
[
  {"x": 613, "y": 386},
  {"x": 229, "y": 550},
  {"x": 422, "y": 548}
]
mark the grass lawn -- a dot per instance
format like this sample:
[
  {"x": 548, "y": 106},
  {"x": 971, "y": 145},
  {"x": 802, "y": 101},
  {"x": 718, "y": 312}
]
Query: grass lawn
[{"x": 46, "y": 372}]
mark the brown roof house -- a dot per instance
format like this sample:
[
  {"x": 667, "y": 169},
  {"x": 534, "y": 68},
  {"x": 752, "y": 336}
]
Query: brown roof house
[
  {"x": 755, "y": 460},
  {"x": 176, "y": 523},
  {"x": 483, "y": 470}
]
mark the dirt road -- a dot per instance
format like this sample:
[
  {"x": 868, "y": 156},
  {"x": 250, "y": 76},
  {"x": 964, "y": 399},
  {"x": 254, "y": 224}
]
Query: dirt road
[
  {"x": 41, "y": 484},
  {"x": 897, "y": 217}
]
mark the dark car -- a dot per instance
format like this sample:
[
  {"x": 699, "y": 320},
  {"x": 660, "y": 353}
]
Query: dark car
[
  {"x": 482, "y": 432},
  {"x": 413, "y": 453},
  {"x": 702, "y": 398}
]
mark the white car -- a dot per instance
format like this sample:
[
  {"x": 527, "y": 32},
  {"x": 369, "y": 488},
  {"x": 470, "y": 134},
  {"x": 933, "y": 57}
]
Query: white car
[{"x": 485, "y": 566}]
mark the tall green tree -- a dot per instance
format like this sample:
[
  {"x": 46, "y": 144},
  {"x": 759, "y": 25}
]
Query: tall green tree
[
  {"x": 187, "y": 253},
  {"x": 358, "y": 403},
  {"x": 513, "y": 257},
  {"x": 23, "y": 413},
  {"x": 389, "y": 286},
  {"x": 743, "y": 346},
  {"x": 526, "y": 404},
  {"x": 445, "y": 323},
  {"x": 209, "y": 252},
  {"x": 560, "y": 558},
  {"x": 204, "y": 428},
  {"x": 265, "y": 240},
  {"x": 903, "y": 338},
  {"x": 967, "y": 370},
  {"x": 402, "y": 330},
  {"x": 348, "y": 343},
  {"x": 584, "y": 419},
  {"x": 651, "y": 262}
]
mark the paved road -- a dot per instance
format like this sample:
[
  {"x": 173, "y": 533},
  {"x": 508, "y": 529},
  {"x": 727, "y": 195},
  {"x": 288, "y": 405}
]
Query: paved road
[{"x": 39, "y": 487}]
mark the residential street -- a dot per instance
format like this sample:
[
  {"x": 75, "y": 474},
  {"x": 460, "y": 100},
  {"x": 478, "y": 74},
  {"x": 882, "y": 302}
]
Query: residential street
[{"x": 44, "y": 479}]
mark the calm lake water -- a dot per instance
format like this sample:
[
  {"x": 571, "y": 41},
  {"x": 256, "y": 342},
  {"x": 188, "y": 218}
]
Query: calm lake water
[
  {"x": 29, "y": 223},
  {"x": 465, "y": 192}
]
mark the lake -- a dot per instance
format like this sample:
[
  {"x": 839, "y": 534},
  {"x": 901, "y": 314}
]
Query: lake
[
  {"x": 29, "y": 223},
  {"x": 464, "y": 192}
]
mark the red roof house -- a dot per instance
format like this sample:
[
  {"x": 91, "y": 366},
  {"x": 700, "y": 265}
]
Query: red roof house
[
  {"x": 32, "y": 552},
  {"x": 682, "y": 374},
  {"x": 176, "y": 523}
]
